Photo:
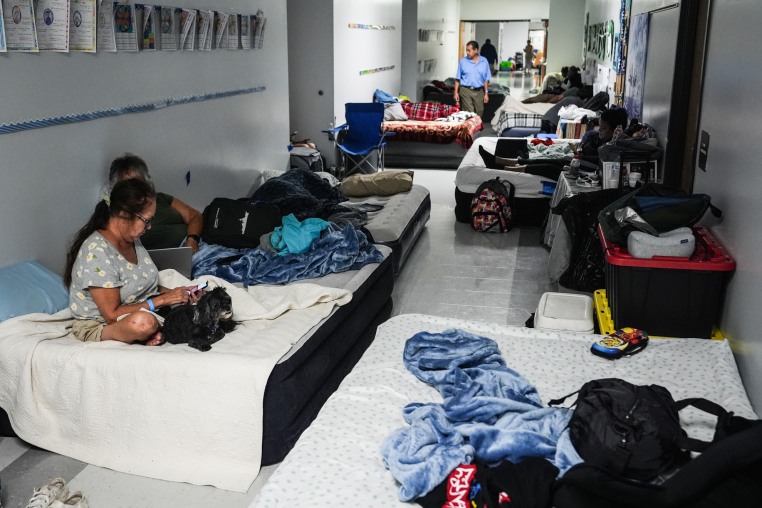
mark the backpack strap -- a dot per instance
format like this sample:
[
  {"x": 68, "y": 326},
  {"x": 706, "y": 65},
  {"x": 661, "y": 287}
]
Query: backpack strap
[
  {"x": 722, "y": 414},
  {"x": 556, "y": 402}
]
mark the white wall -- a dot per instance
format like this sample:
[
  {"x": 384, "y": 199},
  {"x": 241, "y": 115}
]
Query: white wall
[
  {"x": 730, "y": 111},
  {"x": 566, "y": 29},
  {"x": 356, "y": 50},
  {"x": 439, "y": 15},
  {"x": 474, "y": 10},
  {"x": 51, "y": 176}
]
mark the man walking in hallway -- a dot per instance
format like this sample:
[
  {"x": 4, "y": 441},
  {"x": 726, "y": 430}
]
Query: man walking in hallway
[
  {"x": 472, "y": 80},
  {"x": 489, "y": 52},
  {"x": 528, "y": 56}
]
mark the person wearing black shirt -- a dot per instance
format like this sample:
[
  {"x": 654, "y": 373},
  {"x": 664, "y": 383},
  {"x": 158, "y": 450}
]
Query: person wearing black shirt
[{"x": 490, "y": 53}]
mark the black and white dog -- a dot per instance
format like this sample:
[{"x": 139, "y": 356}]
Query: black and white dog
[{"x": 202, "y": 324}]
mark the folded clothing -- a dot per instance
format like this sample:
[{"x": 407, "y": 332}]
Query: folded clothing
[{"x": 384, "y": 183}]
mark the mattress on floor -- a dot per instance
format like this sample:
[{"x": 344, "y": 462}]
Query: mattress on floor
[
  {"x": 312, "y": 370},
  {"x": 400, "y": 222},
  {"x": 417, "y": 154},
  {"x": 339, "y": 456}
]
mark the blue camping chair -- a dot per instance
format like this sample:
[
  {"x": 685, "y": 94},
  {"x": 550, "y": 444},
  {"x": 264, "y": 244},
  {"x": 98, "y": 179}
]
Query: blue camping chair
[{"x": 360, "y": 138}]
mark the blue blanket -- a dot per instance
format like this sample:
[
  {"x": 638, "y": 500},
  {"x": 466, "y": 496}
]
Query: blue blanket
[
  {"x": 490, "y": 413},
  {"x": 338, "y": 250}
]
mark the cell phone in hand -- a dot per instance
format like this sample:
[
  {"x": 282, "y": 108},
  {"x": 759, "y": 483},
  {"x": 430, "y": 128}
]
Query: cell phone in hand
[{"x": 200, "y": 287}]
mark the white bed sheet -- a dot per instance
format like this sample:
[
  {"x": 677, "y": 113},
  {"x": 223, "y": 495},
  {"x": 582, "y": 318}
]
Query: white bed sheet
[
  {"x": 168, "y": 412},
  {"x": 338, "y": 458}
]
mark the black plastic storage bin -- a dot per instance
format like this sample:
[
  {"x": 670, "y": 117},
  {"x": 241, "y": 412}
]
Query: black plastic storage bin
[{"x": 668, "y": 296}]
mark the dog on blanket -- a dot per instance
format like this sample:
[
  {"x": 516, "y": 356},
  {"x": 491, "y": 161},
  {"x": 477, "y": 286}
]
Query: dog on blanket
[{"x": 202, "y": 324}]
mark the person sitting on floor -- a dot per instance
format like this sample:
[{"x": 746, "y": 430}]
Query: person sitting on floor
[
  {"x": 175, "y": 223},
  {"x": 110, "y": 275}
]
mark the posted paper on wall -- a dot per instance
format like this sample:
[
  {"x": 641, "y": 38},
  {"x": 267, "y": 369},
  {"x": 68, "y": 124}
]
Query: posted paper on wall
[
  {"x": 168, "y": 29},
  {"x": 82, "y": 29},
  {"x": 221, "y": 30},
  {"x": 188, "y": 29},
  {"x": 245, "y": 31},
  {"x": 204, "y": 25},
  {"x": 233, "y": 31},
  {"x": 125, "y": 33},
  {"x": 146, "y": 19},
  {"x": 52, "y": 22},
  {"x": 259, "y": 29},
  {"x": 20, "y": 32},
  {"x": 105, "y": 31}
]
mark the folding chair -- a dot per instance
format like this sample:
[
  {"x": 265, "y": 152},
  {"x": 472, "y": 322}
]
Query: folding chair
[{"x": 360, "y": 138}]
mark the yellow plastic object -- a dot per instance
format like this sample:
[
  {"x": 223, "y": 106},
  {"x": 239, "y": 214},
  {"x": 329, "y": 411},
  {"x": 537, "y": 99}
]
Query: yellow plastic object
[
  {"x": 603, "y": 313},
  {"x": 606, "y": 321}
]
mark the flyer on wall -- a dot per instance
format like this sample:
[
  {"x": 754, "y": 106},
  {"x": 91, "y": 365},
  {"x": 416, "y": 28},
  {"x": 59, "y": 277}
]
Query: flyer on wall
[
  {"x": 188, "y": 29},
  {"x": 82, "y": 29},
  {"x": 147, "y": 27},
  {"x": 125, "y": 32},
  {"x": 2, "y": 30},
  {"x": 220, "y": 30},
  {"x": 245, "y": 31},
  {"x": 105, "y": 30},
  {"x": 259, "y": 29},
  {"x": 52, "y": 22},
  {"x": 168, "y": 29},
  {"x": 233, "y": 31},
  {"x": 204, "y": 24},
  {"x": 20, "y": 32},
  {"x": 210, "y": 33}
]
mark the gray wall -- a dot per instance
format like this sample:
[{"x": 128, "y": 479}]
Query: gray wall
[
  {"x": 51, "y": 177},
  {"x": 731, "y": 112},
  {"x": 566, "y": 28},
  {"x": 487, "y": 30}
]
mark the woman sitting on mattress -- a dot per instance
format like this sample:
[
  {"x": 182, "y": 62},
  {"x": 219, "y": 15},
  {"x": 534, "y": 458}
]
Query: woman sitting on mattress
[{"x": 110, "y": 275}]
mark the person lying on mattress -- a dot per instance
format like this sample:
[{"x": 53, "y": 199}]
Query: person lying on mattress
[
  {"x": 175, "y": 223},
  {"x": 110, "y": 275}
]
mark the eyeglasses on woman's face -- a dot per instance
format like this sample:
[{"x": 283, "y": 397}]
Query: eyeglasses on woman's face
[{"x": 146, "y": 222}]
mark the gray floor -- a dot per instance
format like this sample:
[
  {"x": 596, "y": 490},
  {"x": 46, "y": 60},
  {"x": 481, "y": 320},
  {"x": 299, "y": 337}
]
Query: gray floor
[{"x": 453, "y": 271}]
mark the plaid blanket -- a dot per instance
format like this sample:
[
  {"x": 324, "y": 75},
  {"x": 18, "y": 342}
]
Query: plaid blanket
[
  {"x": 426, "y": 111},
  {"x": 508, "y": 120},
  {"x": 435, "y": 132}
]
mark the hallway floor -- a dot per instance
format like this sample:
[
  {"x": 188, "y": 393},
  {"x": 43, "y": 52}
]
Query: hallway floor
[{"x": 453, "y": 271}]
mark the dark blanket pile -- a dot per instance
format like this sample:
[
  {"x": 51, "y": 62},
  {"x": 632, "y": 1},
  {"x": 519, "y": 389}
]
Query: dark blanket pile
[
  {"x": 303, "y": 193},
  {"x": 338, "y": 250}
]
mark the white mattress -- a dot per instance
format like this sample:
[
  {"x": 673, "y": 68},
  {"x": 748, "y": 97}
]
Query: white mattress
[
  {"x": 387, "y": 224},
  {"x": 338, "y": 457}
]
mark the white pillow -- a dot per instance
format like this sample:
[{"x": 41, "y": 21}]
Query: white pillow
[{"x": 393, "y": 112}]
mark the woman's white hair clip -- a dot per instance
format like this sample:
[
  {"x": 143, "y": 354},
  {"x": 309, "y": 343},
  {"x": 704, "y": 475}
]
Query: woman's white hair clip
[{"x": 107, "y": 198}]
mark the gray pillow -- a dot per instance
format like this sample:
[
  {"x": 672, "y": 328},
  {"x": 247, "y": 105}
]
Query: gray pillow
[{"x": 393, "y": 112}]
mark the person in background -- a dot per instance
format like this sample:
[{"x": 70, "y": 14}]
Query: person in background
[
  {"x": 489, "y": 52},
  {"x": 573, "y": 79},
  {"x": 528, "y": 56},
  {"x": 472, "y": 80},
  {"x": 607, "y": 124},
  {"x": 110, "y": 275},
  {"x": 175, "y": 223}
]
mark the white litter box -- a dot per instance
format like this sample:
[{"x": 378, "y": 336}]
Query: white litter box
[{"x": 565, "y": 311}]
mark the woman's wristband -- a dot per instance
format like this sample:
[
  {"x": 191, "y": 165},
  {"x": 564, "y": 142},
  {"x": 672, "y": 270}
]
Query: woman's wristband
[{"x": 151, "y": 306}]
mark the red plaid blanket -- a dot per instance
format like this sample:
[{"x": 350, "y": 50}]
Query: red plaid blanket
[
  {"x": 427, "y": 110},
  {"x": 435, "y": 132}
]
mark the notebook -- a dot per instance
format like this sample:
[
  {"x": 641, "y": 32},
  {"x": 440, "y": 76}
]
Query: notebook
[{"x": 177, "y": 258}]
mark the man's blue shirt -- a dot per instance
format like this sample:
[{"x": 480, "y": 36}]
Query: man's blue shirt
[{"x": 473, "y": 74}]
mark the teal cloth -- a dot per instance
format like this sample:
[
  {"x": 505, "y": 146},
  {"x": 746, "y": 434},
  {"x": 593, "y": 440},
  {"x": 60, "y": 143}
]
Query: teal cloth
[{"x": 295, "y": 237}]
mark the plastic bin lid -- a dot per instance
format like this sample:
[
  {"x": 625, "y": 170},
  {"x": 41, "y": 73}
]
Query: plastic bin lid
[
  {"x": 565, "y": 311},
  {"x": 709, "y": 255}
]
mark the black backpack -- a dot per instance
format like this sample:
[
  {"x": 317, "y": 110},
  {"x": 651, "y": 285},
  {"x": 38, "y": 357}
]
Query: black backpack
[
  {"x": 631, "y": 430},
  {"x": 493, "y": 207},
  {"x": 725, "y": 474},
  {"x": 238, "y": 223}
]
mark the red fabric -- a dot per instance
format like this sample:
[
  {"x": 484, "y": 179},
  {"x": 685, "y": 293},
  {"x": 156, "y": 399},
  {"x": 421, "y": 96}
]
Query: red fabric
[
  {"x": 426, "y": 111},
  {"x": 434, "y": 131}
]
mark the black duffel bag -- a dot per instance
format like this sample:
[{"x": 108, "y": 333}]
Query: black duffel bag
[{"x": 237, "y": 223}]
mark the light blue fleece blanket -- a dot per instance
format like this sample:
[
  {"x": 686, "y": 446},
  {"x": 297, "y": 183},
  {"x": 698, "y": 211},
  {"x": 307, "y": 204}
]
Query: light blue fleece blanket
[
  {"x": 490, "y": 413},
  {"x": 338, "y": 250}
]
